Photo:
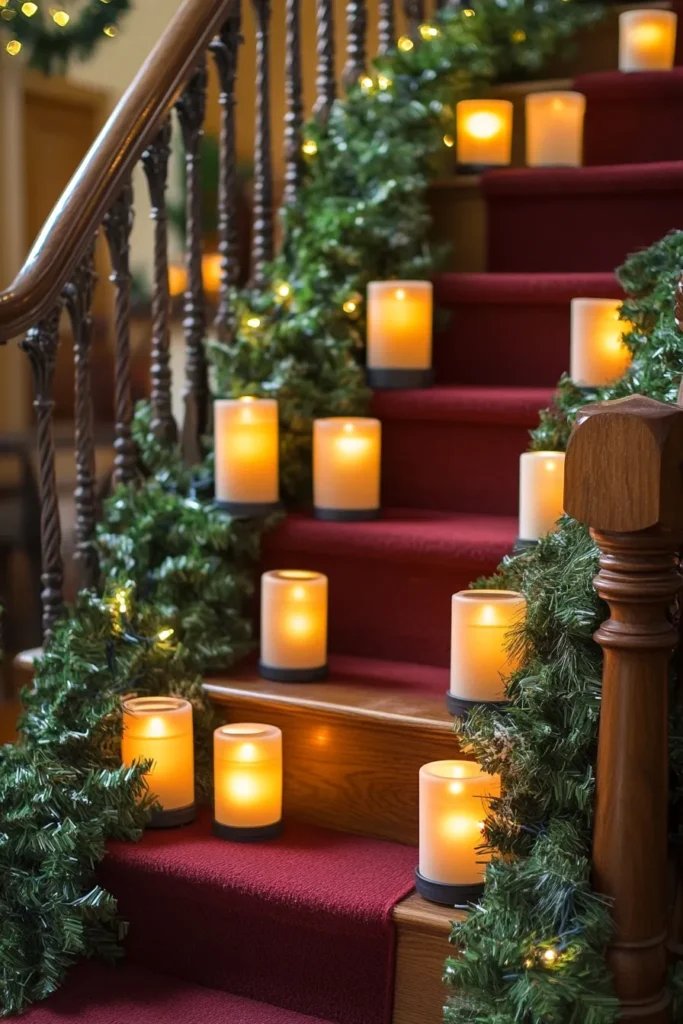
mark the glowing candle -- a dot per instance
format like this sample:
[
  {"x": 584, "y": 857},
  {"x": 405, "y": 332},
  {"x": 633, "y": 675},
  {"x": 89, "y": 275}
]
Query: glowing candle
[
  {"x": 293, "y": 625},
  {"x": 453, "y": 805},
  {"x": 346, "y": 468},
  {"x": 481, "y": 625},
  {"x": 541, "y": 493},
  {"x": 554, "y": 129},
  {"x": 247, "y": 763},
  {"x": 647, "y": 40},
  {"x": 598, "y": 353},
  {"x": 246, "y": 453},
  {"x": 159, "y": 729},
  {"x": 399, "y": 345},
  {"x": 484, "y": 129},
  {"x": 211, "y": 272}
]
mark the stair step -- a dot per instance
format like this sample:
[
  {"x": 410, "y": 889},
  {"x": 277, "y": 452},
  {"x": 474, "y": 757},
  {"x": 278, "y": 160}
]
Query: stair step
[
  {"x": 456, "y": 448},
  {"x": 579, "y": 218},
  {"x": 407, "y": 565},
  {"x": 99, "y": 994},
  {"x": 302, "y": 922},
  {"x": 510, "y": 329},
  {"x": 632, "y": 118},
  {"x": 354, "y": 744},
  {"x": 423, "y": 932}
]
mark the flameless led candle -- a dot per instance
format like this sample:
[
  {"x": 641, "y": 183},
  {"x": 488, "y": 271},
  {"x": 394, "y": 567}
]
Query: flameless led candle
[
  {"x": 293, "y": 625},
  {"x": 246, "y": 453},
  {"x": 453, "y": 805},
  {"x": 481, "y": 621},
  {"x": 647, "y": 40},
  {"x": 541, "y": 493},
  {"x": 484, "y": 131},
  {"x": 598, "y": 354},
  {"x": 247, "y": 765},
  {"x": 399, "y": 339},
  {"x": 554, "y": 129},
  {"x": 346, "y": 468},
  {"x": 159, "y": 729}
]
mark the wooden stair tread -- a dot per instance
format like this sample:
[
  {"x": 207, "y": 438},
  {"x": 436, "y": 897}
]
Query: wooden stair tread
[{"x": 418, "y": 914}]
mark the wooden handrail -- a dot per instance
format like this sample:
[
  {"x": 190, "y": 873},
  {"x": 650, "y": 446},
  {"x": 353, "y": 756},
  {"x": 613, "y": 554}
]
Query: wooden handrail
[{"x": 106, "y": 167}]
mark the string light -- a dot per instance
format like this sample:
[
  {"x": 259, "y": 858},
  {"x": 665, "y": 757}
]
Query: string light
[
  {"x": 283, "y": 290},
  {"x": 165, "y": 634},
  {"x": 469, "y": 13},
  {"x": 253, "y": 322},
  {"x": 310, "y": 147},
  {"x": 519, "y": 36},
  {"x": 528, "y": 963},
  {"x": 60, "y": 18},
  {"x": 383, "y": 82},
  {"x": 550, "y": 956},
  {"x": 406, "y": 44},
  {"x": 366, "y": 83},
  {"x": 448, "y": 141},
  {"x": 121, "y": 600},
  {"x": 350, "y": 306},
  {"x": 429, "y": 32},
  {"x": 29, "y": 9},
  {"x": 13, "y": 47},
  {"x": 109, "y": 30}
]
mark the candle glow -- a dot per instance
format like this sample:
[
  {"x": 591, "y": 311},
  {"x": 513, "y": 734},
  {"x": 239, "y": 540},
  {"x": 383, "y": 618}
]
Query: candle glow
[
  {"x": 484, "y": 132},
  {"x": 247, "y": 780},
  {"x": 481, "y": 625},
  {"x": 598, "y": 354},
  {"x": 399, "y": 333},
  {"x": 541, "y": 493},
  {"x": 554, "y": 128},
  {"x": 346, "y": 467},
  {"x": 246, "y": 447},
  {"x": 159, "y": 729},
  {"x": 647, "y": 40},
  {"x": 293, "y": 624}
]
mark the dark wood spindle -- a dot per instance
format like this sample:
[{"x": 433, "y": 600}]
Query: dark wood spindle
[
  {"x": 326, "y": 83},
  {"x": 155, "y": 163},
  {"x": 118, "y": 225},
  {"x": 623, "y": 480},
  {"x": 41, "y": 346},
  {"x": 191, "y": 108},
  {"x": 262, "y": 241},
  {"x": 78, "y": 296},
  {"x": 295, "y": 103},
  {"x": 386, "y": 27},
  {"x": 356, "y": 27},
  {"x": 415, "y": 13},
  {"x": 225, "y": 51}
]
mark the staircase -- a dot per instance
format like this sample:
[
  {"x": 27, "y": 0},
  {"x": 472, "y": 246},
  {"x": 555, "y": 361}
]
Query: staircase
[{"x": 322, "y": 925}]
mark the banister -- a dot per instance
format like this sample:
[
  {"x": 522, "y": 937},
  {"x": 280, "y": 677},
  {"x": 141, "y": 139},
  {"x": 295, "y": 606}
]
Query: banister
[{"x": 107, "y": 165}]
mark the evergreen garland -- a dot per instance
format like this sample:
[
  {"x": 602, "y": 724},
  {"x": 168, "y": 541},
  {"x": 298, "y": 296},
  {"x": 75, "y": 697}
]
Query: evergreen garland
[{"x": 52, "y": 36}]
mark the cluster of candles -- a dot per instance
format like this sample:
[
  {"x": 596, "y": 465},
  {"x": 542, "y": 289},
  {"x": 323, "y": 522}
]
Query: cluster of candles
[{"x": 554, "y": 120}]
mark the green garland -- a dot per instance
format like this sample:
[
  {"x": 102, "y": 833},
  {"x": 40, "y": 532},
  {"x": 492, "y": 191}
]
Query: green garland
[{"x": 52, "y": 37}]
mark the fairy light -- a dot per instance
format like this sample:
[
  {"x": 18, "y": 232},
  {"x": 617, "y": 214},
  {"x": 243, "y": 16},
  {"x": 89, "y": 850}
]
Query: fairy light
[
  {"x": 366, "y": 83},
  {"x": 165, "y": 634},
  {"x": 109, "y": 30},
  {"x": 406, "y": 44},
  {"x": 519, "y": 36},
  {"x": 60, "y": 18},
  {"x": 283, "y": 290},
  {"x": 469, "y": 13},
  {"x": 29, "y": 9},
  {"x": 383, "y": 82},
  {"x": 350, "y": 306},
  {"x": 253, "y": 322},
  {"x": 121, "y": 601},
  {"x": 429, "y": 32},
  {"x": 310, "y": 147},
  {"x": 13, "y": 47},
  {"x": 550, "y": 956},
  {"x": 448, "y": 141}
]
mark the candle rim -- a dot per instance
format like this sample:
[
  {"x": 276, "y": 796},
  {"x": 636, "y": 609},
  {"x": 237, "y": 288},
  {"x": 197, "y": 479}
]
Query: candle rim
[
  {"x": 296, "y": 575},
  {"x": 657, "y": 11},
  {"x": 138, "y": 707},
  {"x": 554, "y": 93},
  {"x": 496, "y": 104},
  {"x": 545, "y": 452},
  {"x": 472, "y": 771},
  {"x": 238, "y": 730},
  {"x": 594, "y": 300},
  {"x": 507, "y": 596},
  {"x": 250, "y": 399},
  {"x": 402, "y": 282},
  {"x": 360, "y": 420}
]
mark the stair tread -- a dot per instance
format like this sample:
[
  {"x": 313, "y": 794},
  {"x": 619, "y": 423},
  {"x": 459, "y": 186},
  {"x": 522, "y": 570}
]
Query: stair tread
[
  {"x": 420, "y": 915},
  {"x": 612, "y": 179},
  {"x": 99, "y": 994},
  {"x": 520, "y": 288},
  {"x": 623, "y": 85},
  {"x": 362, "y": 688},
  {"x": 468, "y": 404}
]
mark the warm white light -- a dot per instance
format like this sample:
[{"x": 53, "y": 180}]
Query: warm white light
[
  {"x": 484, "y": 125},
  {"x": 366, "y": 83},
  {"x": 165, "y": 634},
  {"x": 253, "y": 322},
  {"x": 405, "y": 44},
  {"x": 310, "y": 147}
]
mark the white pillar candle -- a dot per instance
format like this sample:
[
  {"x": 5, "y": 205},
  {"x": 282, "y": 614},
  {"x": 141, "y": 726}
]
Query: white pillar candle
[
  {"x": 247, "y": 781},
  {"x": 481, "y": 625},
  {"x": 541, "y": 493},
  {"x": 598, "y": 354},
  {"x": 454, "y": 799},
  {"x": 484, "y": 132},
  {"x": 293, "y": 625},
  {"x": 399, "y": 333},
  {"x": 246, "y": 452},
  {"x": 647, "y": 40},
  {"x": 346, "y": 468},
  {"x": 554, "y": 129}
]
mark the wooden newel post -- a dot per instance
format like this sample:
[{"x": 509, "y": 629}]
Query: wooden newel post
[{"x": 624, "y": 480}]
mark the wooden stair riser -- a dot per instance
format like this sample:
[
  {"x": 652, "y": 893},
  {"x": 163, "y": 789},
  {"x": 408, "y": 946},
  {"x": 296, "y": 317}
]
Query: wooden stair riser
[{"x": 423, "y": 932}]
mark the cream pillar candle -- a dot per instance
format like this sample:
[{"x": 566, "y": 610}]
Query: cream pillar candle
[
  {"x": 481, "y": 626},
  {"x": 554, "y": 129},
  {"x": 647, "y": 40},
  {"x": 246, "y": 455},
  {"x": 541, "y": 493},
  {"x": 598, "y": 355},
  {"x": 159, "y": 729},
  {"x": 247, "y": 761},
  {"x": 346, "y": 468},
  {"x": 293, "y": 625},
  {"x": 453, "y": 804},
  {"x": 399, "y": 334},
  {"x": 484, "y": 133}
]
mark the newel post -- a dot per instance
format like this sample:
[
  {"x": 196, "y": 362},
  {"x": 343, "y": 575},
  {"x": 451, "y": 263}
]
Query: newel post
[{"x": 624, "y": 480}]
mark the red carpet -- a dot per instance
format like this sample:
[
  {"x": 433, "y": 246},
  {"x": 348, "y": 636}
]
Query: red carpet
[
  {"x": 303, "y": 922},
  {"x": 95, "y": 994}
]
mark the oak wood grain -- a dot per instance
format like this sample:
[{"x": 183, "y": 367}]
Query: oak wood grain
[{"x": 422, "y": 948}]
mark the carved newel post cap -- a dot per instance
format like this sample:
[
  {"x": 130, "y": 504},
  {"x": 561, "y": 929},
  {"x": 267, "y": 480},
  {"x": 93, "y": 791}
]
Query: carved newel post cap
[{"x": 623, "y": 467}]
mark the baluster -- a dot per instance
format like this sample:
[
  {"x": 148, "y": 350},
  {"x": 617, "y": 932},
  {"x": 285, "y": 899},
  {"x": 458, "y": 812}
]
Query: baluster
[
  {"x": 386, "y": 27},
  {"x": 295, "y": 104},
  {"x": 118, "y": 224},
  {"x": 623, "y": 480},
  {"x": 356, "y": 26},
  {"x": 262, "y": 242},
  {"x": 415, "y": 13},
  {"x": 78, "y": 296},
  {"x": 225, "y": 49},
  {"x": 325, "y": 76},
  {"x": 155, "y": 163},
  {"x": 191, "y": 108},
  {"x": 41, "y": 346}
]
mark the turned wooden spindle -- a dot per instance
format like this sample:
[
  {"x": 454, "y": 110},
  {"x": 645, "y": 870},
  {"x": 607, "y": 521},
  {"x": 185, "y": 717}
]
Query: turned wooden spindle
[
  {"x": 386, "y": 27},
  {"x": 356, "y": 28},
  {"x": 623, "y": 479},
  {"x": 294, "y": 118},
  {"x": 325, "y": 81}
]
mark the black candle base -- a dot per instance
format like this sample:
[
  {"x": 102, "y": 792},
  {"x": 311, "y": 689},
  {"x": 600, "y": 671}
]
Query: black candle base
[
  {"x": 247, "y": 509},
  {"x": 347, "y": 515},
  {"x": 173, "y": 819},
  {"x": 460, "y": 708},
  {"x": 522, "y": 544},
  {"x": 247, "y": 835},
  {"x": 447, "y": 895},
  {"x": 293, "y": 675},
  {"x": 387, "y": 380},
  {"x": 477, "y": 168}
]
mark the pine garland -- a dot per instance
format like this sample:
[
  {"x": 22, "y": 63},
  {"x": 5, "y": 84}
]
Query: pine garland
[{"x": 52, "y": 37}]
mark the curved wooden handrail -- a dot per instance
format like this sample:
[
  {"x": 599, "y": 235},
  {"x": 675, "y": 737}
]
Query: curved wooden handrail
[{"x": 107, "y": 165}]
